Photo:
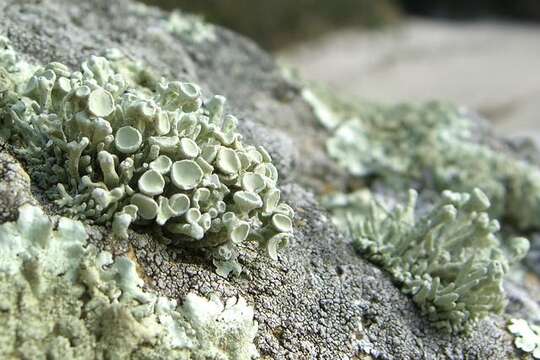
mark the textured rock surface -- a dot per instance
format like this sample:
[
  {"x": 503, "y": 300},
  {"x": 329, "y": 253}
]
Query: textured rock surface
[
  {"x": 320, "y": 300},
  {"x": 14, "y": 187}
]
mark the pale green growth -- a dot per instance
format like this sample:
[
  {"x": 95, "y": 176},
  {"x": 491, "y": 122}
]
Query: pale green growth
[
  {"x": 223, "y": 331},
  {"x": 13, "y": 69},
  {"x": 110, "y": 150},
  {"x": 322, "y": 111},
  {"x": 147, "y": 207},
  {"x": 527, "y": 336},
  {"x": 343, "y": 206},
  {"x": 450, "y": 260},
  {"x": 186, "y": 174},
  {"x": 282, "y": 223},
  {"x": 33, "y": 235},
  {"x": 127, "y": 140},
  {"x": 151, "y": 183},
  {"x": 227, "y": 161},
  {"x": 435, "y": 143},
  {"x": 162, "y": 164},
  {"x": 100, "y": 102},
  {"x": 253, "y": 182},
  {"x": 13, "y": 72},
  {"x": 190, "y": 27},
  {"x": 61, "y": 299}
]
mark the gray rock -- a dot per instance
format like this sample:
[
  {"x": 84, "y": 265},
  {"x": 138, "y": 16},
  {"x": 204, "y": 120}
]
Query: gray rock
[
  {"x": 320, "y": 300},
  {"x": 14, "y": 187}
]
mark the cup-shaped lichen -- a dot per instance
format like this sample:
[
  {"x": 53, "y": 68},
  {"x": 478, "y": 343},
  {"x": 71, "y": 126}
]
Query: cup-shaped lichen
[
  {"x": 127, "y": 140},
  {"x": 117, "y": 152}
]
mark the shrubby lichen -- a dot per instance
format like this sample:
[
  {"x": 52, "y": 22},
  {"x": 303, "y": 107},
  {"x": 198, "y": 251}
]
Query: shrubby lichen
[
  {"x": 114, "y": 145},
  {"x": 61, "y": 298},
  {"x": 343, "y": 206},
  {"x": 450, "y": 260},
  {"x": 527, "y": 337},
  {"x": 435, "y": 143}
]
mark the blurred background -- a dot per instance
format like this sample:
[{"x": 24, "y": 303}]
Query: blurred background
[{"x": 484, "y": 54}]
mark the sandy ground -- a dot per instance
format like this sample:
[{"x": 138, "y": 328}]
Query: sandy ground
[{"x": 491, "y": 67}]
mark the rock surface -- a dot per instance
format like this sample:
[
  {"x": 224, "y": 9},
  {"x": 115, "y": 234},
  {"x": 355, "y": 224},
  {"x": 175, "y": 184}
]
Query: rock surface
[{"x": 319, "y": 300}]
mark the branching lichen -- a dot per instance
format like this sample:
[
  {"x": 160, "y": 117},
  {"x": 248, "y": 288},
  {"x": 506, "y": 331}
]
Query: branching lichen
[
  {"x": 450, "y": 260},
  {"x": 435, "y": 143},
  {"x": 63, "y": 299},
  {"x": 527, "y": 337},
  {"x": 113, "y": 145}
]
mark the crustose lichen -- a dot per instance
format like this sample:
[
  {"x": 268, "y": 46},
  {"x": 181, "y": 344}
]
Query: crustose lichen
[
  {"x": 61, "y": 298},
  {"x": 117, "y": 147},
  {"x": 437, "y": 144}
]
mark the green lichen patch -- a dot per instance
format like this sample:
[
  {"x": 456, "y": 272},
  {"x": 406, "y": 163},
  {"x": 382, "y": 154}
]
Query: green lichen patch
[
  {"x": 110, "y": 144},
  {"x": 63, "y": 299},
  {"x": 435, "y": 143},
  {"x": 190, "y": 27},
  {"x": 449, "y": 261},
  {"x": 527, "y": 336}
]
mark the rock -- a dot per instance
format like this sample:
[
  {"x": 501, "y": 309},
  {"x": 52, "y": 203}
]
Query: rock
[
  {"x": 14, "y": 187},
  {"x": 319, "y": 300}
]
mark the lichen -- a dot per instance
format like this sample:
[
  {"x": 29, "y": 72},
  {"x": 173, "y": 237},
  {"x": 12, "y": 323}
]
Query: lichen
[
  {"x": 190, "y": 27},
  {"x": 434, "y": 143},
  {"x": 344, "y": 206},
  {"x": 61, "y": 298},
  {"x": 110, "y": 144},
  {"x": 449, "y": 261},
  {"x": 527, "y": 337}
]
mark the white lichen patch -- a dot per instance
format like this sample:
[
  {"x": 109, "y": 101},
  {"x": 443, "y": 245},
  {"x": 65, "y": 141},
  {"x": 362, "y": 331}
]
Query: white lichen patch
[
  {"x": 322, "y": 111},
  {"x": 61, "y": 298},
  {"x": 190, "y": 27},
  {"x": 12, "y": 63},
  {"x": 109, "y": 149},
  {"x": 527, "y": 336}
]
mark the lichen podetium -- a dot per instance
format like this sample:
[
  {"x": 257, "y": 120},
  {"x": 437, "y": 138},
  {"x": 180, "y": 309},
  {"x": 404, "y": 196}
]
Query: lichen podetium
[
  {"x": 110, "y": 143},
  {"x": 449, "y": 261}
]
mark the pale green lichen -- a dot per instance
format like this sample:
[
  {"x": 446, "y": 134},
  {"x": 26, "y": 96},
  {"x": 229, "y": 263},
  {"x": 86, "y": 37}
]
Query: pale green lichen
[
  {"x": 323, "y": 112},
  {"x": 13, "y": 68},
  {"x": 434, "y": 143},
  {"x": 344, "y": 206},
  {"x": 63, "y": 299},
  {"x": 13, "y": 71},
  {"x": 113, "y": 145},
  {"x": 449, "y": 261},
  {"x": 527, "y": 337},
  {"x": 190, "y": 27}
]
